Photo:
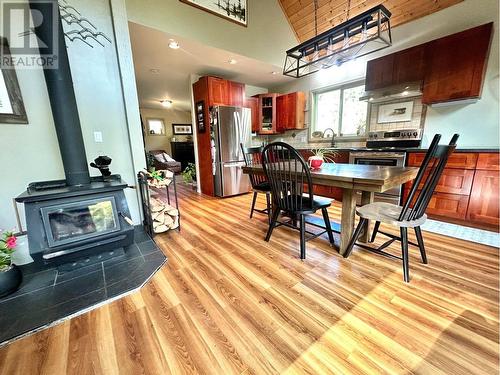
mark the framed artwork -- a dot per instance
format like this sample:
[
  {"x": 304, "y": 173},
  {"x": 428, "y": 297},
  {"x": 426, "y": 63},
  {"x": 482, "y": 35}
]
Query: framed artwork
[
  {"x": 12, "y": 109},
  {"x": 200, "y": 117},
  {"x": 395, "y": 112},
  {"x": 232, "y": 10},
  {"x": 156, "y": 126},
  {"x": 182, "y": 129}
]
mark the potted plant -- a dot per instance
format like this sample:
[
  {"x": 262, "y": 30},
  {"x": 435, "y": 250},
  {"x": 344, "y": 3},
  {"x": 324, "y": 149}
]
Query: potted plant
[
  {"x": 189, "y": 174},
  {"x": 10, "y": 275},
  {"x": 321, "y": 156}
]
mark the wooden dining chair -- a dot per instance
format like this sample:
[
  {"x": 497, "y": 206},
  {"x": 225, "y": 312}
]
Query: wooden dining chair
[
  {"x": 288, "y": 174},
  {"x": 260, "y": 185},
  {"x": 412, "y": 213}
]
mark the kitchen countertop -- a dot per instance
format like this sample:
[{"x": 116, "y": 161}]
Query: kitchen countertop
[{"x": 397, "y": 149}]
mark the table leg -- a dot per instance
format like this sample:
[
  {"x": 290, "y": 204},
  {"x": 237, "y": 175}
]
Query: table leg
[
  {"x": 348, "y": 216},
  {"x": 366, "y": 198}
]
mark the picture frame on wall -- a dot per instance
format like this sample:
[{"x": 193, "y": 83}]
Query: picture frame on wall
[
  {"x": 182, "y": 129},
  {"x": 12, "y": 109},
  {"x": 233, "y": 10},
  {"x": 395, "y": 112},
  {"x": 200, "y": 117}
]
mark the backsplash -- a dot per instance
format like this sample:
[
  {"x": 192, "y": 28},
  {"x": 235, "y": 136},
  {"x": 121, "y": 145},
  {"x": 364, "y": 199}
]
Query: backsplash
[{"x": 417, "y": 117}]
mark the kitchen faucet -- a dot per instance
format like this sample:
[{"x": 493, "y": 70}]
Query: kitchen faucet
[{"x": 333, "y": 135}]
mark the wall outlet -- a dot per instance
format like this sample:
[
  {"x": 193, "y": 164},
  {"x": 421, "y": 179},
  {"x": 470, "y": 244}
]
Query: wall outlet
[{"x": 98, "y": 137}]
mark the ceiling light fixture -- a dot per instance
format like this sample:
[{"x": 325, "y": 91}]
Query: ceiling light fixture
[
  {"x": 155, "y": 71},
  {"x": 366, "y": 33},
  {"x": 173, "y": 44},
  {"x": 274, "y": 72},
  {"x": 167, "y": 103},
  {"x": 232, "y": 61}
]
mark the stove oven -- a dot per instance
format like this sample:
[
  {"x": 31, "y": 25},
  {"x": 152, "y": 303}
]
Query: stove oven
[{"x": 387, "y": 149}]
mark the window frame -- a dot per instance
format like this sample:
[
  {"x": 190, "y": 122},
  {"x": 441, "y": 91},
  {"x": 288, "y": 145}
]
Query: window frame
[
  {"x": 341, "y": 87},
  {"x": 148, "y": 129}
]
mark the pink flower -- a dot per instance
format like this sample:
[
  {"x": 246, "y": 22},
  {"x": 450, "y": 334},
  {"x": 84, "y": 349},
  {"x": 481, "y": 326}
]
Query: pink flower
[{"x": 11, "y": 242}]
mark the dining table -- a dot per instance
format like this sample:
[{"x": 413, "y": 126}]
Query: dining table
[{"x": 354, "y": 178}]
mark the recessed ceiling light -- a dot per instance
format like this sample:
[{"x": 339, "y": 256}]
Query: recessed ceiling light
[
  {"x": 167, "y": 103},
  {"x": 274, "y": 72},
  {"x": 155, "y": 71},
  {"x": 232, "y": 61},
  {"x": 173, "y": 44}
]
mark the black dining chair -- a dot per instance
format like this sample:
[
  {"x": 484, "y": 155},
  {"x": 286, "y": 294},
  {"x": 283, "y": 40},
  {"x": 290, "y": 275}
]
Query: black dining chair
[
  {"x": 253, "y": 156},
  {"x": 288, "y": 174},
  {"x": 412, "y": 213}
]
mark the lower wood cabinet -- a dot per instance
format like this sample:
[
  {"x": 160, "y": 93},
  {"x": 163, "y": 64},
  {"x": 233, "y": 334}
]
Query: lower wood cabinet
[
  {"x": 485, "y": 198},
  {"x": 468, "y": 190}
]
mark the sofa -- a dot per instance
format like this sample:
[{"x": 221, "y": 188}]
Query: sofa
[{"x": 162, "y": 160}]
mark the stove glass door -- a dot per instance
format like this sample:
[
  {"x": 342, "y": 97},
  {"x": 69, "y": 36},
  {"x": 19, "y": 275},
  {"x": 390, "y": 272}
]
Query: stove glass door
[
  {"x": 375, "y": 161},
  {"x": 78, "y": 221}
]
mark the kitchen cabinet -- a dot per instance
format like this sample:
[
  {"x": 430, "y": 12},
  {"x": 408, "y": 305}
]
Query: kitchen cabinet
[
  {"x": 409, "y": 65},
  {"x": 218, "y": 91},
  {"x": 253, "y": 104},
  {"x": 236, "y": 94},
  {"x": 451, "y": 68},
  {"x": 456, "y": 65},
  {"x": 380, "y": 73},
  {"x": 268, "y": 123},
  {"x": 485, "y": 198},
  {"x": 290, "y": 110},
  {"x": 468, "y": 191},
  {"x": 396, "y": 69}
]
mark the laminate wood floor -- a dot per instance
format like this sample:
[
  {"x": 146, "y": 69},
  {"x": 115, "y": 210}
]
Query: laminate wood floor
[{"x": 229, "y": 303}]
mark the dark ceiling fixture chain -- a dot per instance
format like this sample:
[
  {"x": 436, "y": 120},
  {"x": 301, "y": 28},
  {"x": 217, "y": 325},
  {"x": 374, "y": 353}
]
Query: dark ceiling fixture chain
[{"x": 363, "y": 34}]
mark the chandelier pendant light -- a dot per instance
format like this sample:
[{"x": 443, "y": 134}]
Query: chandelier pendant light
[{"x": 366, "y": 33}]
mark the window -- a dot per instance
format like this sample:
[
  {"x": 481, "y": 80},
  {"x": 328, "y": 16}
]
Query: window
[
  {"x": 156, "y": 126},
  {"x": 340, "y": 109}
]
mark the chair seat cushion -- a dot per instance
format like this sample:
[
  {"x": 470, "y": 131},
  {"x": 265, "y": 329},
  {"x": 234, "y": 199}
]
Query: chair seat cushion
[
  {"x": 305, "y": 207},
  {"x": 388, "y": 213},
  {"x": 263, "y": 186}
]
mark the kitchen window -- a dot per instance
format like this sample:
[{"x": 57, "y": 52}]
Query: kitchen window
[{"x": 340, "y": 109}]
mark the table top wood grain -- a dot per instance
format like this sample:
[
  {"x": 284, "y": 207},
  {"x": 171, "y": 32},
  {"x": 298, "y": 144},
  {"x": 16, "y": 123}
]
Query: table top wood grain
[{"x": 355, "y": 176}]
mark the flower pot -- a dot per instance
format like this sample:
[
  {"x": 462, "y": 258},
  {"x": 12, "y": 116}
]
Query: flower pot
[
  {"x": 315, "y": 162},
  {"x": 10, "y": 281}
]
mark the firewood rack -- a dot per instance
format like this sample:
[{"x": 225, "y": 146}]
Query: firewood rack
[{"x": 145, "y": 191}]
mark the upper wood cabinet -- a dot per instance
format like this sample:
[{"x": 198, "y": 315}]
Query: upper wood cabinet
[
  {"x": 451, "y": 68},
  {"x": 409, "y": 65},
  {"x": 224, "y": 92},
  {"x": 236, "y": 94},
  {"x": 253, "y": 104},
  {"x": 456, "y": 65},
  {"x": 380, "y": 73},
  {"x": 268, "y": 123},
  {"x": 396, "y": 69},
  {"x": 291, "y": 111},
  {"x": 218, "y": 91}
]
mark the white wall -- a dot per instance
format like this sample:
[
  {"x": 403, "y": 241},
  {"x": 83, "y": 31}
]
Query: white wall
[
  {"x": 266, "y": 38},
  {"x": 477, "y": 124},
  {"x": 30, "y": 152},
  {"x": 169, "y": 117}
]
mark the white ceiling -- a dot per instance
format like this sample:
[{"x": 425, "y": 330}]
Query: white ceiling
[{"x": 150, "y": 51}]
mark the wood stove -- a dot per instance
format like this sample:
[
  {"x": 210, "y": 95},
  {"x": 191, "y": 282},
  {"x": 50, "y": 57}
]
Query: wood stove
[{"x": 78, "y": 216}]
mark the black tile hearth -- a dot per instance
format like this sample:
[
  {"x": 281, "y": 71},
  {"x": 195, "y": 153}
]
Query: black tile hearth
[{"x": 49, "y": 296}]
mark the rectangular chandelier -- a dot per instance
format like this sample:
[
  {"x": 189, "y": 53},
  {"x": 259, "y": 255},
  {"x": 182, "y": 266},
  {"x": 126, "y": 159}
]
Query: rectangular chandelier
[{"x": 366, "y": 33}]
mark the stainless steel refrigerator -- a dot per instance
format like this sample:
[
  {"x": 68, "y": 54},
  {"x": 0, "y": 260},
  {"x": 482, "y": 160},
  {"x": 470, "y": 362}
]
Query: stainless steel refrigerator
[{"x": 231, "y": 126}]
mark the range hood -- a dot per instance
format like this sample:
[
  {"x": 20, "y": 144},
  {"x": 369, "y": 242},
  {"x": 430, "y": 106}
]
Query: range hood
[{"x": 407, "y": 90}]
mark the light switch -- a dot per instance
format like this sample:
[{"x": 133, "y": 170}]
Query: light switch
[{"x": 98, "y": 137}]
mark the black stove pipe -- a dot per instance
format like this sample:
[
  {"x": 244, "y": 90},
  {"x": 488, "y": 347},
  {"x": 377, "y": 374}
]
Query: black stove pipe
[{"x": 62, "y": 96}]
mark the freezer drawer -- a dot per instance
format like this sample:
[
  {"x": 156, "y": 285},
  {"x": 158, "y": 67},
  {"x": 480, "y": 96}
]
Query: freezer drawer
[{"x": 232, "y": 181}]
